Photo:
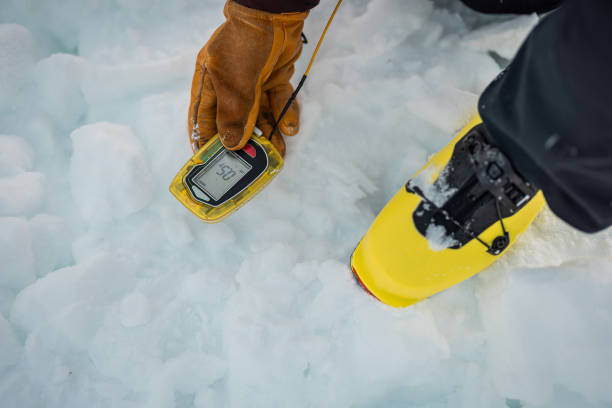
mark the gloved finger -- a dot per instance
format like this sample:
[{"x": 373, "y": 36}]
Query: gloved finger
[
  {"x": 238, "y": 91},
  {"x": 236, "y": 119},
  {"x": 206, "y": 120},
  {"x": 290, "y": 123},
  {"x": 202, "y": 105},
  {"x": 265, "y": 122}
]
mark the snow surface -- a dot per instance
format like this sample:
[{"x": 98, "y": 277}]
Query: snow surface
[{"x": 113, "y": 295}]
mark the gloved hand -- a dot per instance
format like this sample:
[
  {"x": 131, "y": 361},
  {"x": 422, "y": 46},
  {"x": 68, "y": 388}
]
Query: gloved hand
[{"x": 242, "y": 78}]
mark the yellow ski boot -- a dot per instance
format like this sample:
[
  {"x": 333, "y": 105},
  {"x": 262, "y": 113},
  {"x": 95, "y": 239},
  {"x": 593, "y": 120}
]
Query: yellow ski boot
[{"x": 454, "y": 218}]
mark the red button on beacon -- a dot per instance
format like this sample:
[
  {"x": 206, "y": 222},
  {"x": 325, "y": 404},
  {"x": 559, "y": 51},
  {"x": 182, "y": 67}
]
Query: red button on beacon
[{"x": 250, "y": 150}]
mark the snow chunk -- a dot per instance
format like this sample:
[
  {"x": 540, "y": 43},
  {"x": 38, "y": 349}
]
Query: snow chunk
[
  {"x": 456, "y": 80},
  {"x": 400, "y": 20},
  {"x": 427, "y": 100},
  {"x": 16, "y": 155},
  {"x": 438, "y": 239},
  {"x": 127, "y": 80},
  {"x": 16, "y": 253},
  {"x": 176, "y": 227},
  {"x": 21, "y": 194},
  {"x": 17, "y": 56},
  {"x": 10, "y": 349},
  {"x": 109, "y": 175},
  {"x": 71, "y": 299},
  {"x": 312, "y": 349},
  {"x": 51, "y": 238},
  {"x": 135, "y": 310},
  {"x": 6, "y": 300},
  {"x": 58, "y": 79},
  {"x": 503, "y": 38},
  {"x": 434, "y": 186},
  {"x": 189, "y": 373},
  {"x": 40, "y": 132},
  {"x": 550, "y": 328}
]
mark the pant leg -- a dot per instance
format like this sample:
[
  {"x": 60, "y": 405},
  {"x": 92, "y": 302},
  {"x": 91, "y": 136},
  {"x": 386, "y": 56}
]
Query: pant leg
[
  {"x": 279, "y": 6},
  {"x": 512, "y": 6},
  {"x": 550, "y": 111}
]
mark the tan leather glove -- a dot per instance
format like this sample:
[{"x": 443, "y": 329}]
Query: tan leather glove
[{"x": 242, "y": 78}]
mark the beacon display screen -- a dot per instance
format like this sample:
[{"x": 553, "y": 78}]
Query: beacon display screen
[{"x": 222, "y": 174}]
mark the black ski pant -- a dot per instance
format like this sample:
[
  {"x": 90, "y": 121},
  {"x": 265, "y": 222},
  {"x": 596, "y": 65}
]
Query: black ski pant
[{"x": 550, "y": 111}]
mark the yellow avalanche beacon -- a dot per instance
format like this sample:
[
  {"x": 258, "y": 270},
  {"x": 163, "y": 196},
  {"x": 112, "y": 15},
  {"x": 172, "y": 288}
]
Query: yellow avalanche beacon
[
  {"x": 216, "y": 181},
  {"x": 454, "y": 218}
]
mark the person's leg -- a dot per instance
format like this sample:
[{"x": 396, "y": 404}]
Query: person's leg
[{"x": 550, "y": 111}]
